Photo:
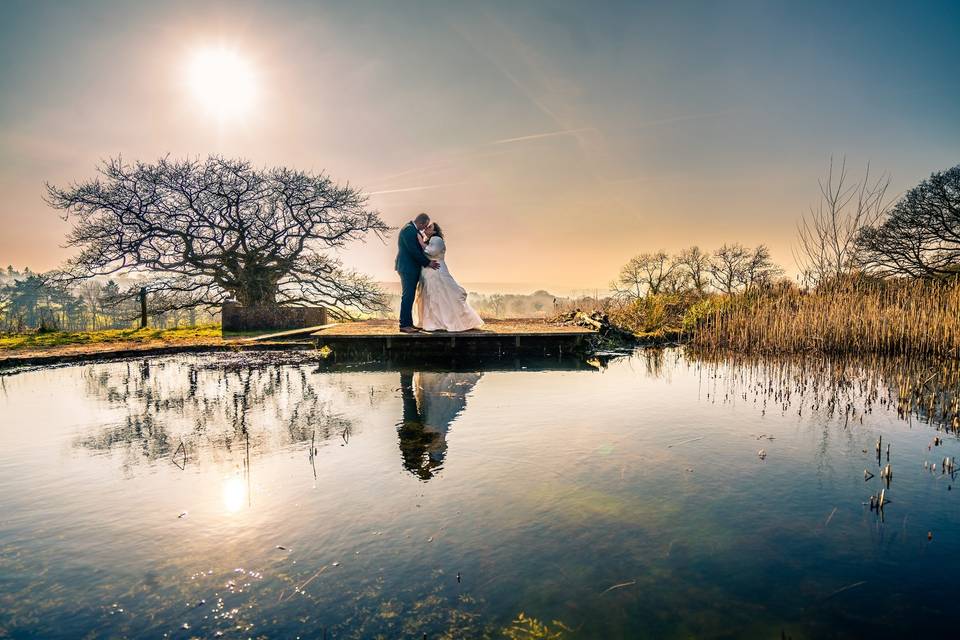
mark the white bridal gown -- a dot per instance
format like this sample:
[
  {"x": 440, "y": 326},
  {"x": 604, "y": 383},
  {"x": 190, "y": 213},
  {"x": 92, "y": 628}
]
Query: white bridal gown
[
  {"x": 442, "y": 397},
  {"x": 442, "y": 303}
]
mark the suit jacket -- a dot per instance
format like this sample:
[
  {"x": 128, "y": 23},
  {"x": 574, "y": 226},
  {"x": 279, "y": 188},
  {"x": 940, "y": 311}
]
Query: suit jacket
[{"x": 410, "y": 256}]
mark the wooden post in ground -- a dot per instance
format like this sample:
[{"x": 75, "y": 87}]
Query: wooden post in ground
[{"x": 143, "y": 307}]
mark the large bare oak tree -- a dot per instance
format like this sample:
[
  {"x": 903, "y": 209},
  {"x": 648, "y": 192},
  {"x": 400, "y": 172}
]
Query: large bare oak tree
[{"x": 203, "y": 231}]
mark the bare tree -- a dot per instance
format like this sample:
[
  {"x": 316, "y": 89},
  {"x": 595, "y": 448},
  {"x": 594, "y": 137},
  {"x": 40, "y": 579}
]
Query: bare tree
[
  {"x": 828, "y": 232},
  {"x": 678, "y": 281},
  {"x": 728, "y": 267},
  {"x": 629, "y": 284},
  {"x": 760, "y": 270},
  {"x": 205, "y": 231},
  {"x": 695, "y": 264},
  {"x": 921, "y": 236},
  {"x": 647, "y": 273},
  {"x": 498, "y": 301},
  {"x": 91, "y": 292}
]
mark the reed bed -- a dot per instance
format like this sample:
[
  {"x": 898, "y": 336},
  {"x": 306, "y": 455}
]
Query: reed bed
[{"x": 908, "y": 318}]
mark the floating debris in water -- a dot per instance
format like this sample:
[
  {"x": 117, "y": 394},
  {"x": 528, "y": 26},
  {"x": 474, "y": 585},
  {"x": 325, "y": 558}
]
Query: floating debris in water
[
  {"x": 830, "y": 517},
  {"x": 336, "y": 564},
  {"x": 282, "y": 548},
  {"x": 670, "y": 446},
  {"x": 183, "y": 514},
  {"x": 866, "y": 475},
  {"x": 620, "y": 585}
]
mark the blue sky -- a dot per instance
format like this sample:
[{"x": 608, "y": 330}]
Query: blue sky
[{"x": 555, "y": 140}]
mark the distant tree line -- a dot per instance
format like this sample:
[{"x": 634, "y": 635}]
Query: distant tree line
[
  {"x": 729, "y": 269},
  {"x": 853, "y": 230},
  {"x": 30, "y": 301}
]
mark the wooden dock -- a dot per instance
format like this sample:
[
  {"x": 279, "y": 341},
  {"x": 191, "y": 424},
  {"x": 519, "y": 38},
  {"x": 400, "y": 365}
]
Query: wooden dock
[{"x": 497, "y": 339}]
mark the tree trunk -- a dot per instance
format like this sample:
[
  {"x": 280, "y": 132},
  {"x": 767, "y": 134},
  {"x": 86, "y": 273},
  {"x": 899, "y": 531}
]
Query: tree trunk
[{"x": 258, "y": 288}]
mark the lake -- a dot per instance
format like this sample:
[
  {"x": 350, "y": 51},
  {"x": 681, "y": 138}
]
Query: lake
[{"x": 657, "y": 494}]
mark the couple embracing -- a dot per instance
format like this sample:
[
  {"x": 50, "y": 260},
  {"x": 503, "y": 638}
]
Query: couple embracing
[{"x": 441, "y": 302}]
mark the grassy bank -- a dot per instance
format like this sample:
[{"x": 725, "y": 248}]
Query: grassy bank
[{"x": 56, "y": 339}]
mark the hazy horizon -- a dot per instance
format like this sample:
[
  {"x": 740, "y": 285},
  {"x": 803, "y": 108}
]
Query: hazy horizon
[{"x": 553, "y": 140}]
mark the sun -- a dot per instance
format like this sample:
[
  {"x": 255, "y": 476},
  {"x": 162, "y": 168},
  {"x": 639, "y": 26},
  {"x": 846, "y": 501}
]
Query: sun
[{"x": 222, "y": 82}]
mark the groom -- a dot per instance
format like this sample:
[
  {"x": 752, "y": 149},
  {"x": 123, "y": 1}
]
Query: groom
[{"x": 410, "y": 259}]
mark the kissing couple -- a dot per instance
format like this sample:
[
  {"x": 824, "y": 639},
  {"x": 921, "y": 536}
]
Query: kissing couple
[{"x": 441, "y": 302}]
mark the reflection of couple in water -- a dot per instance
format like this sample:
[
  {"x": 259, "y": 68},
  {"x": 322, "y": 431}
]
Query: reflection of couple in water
[{"x": 431, "y": 402}]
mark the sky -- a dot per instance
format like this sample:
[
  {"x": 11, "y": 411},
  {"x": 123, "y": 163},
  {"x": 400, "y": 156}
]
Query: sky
[{"x": 552, "y": 140}]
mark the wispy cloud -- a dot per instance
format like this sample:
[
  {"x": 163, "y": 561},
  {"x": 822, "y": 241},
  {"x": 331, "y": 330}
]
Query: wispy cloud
[
  {"x": 549, "y": 134},
  {"x": 698, "y": 116},
  {"x": 520, "y": 55},
  {"x": 417, "y": 188}
]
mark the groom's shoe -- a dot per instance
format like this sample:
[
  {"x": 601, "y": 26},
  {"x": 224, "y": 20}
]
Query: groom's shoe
[{"x": 409, "y": 330}]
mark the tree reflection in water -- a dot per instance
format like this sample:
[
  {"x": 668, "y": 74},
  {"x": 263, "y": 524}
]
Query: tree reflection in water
[
  {"x": 211, "y": 407},
  {"x": 431, "y": 402}
]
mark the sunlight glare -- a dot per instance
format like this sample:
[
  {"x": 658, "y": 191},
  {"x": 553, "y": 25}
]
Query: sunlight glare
[
  {"x": 222, "y": 82},
  {"x": 234, "y": 494}
]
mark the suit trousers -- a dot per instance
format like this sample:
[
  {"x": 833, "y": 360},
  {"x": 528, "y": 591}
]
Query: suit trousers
[{"x": 408, "y": 290}]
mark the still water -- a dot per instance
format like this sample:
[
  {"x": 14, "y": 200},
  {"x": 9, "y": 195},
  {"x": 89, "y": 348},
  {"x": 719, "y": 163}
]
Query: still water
[{"x": 657, "y": 495}]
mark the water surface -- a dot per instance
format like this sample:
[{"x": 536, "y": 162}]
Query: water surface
[{"x": 656, "y": 496}]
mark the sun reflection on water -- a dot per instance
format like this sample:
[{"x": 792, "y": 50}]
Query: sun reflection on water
[{"x": 234, "y": 494}]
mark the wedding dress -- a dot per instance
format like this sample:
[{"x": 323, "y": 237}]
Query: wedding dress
[
  {"x": 442, "y": 397},
  {"x": 442, "y": 303}
]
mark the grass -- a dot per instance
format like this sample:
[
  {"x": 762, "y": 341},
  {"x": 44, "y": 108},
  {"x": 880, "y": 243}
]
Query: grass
[
  {"x": 855, "y": 316},
  {"x": 55, "y": 339}
]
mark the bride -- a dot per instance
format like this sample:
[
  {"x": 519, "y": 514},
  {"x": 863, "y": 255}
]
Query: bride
[{"x": 442, "y": 303}]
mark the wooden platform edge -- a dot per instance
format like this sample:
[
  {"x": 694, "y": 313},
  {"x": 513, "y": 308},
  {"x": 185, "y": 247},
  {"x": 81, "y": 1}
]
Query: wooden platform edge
[
  {"x": 446, "y": 335},
  {"x": 292, "y": 333}
]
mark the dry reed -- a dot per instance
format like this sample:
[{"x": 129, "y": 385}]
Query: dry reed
[{"x": 911, "y": 318}]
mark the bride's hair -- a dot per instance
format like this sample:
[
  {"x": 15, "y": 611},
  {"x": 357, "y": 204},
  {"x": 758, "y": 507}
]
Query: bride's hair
[{"x": 437, "y": 231}]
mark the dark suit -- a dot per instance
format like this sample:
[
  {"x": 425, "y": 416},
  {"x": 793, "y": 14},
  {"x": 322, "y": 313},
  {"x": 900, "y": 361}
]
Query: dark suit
[
  {"x": 414, "y": 439},
  {"x": 410, "y": 260}
]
